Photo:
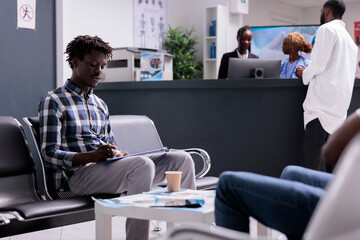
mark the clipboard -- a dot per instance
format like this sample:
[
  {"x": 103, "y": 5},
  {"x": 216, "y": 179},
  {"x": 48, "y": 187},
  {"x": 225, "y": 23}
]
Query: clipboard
[{"x": 164, "y": 149}]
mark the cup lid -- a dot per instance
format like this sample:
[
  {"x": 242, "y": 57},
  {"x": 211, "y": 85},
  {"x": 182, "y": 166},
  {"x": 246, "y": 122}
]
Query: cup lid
[{"x": 173, "y": 172}]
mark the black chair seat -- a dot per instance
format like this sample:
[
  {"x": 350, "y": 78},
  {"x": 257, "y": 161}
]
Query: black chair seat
[
  {"x": 34, "y": 210},
  {"x": 22, "y": 207}
]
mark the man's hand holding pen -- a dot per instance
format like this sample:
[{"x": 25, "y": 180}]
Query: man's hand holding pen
[
  {"x": 109, "y": 150},
  {"x": 117, "y": 152},
  {"x": 102, "y": 153},
  {"x": 121, "y": 153}
]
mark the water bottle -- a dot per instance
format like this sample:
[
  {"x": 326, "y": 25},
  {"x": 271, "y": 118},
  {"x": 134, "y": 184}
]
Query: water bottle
[
  {"x": 211, "y": 30},
  {"x": 214, "y": 27},
  {"x": 213, "y": 50}
]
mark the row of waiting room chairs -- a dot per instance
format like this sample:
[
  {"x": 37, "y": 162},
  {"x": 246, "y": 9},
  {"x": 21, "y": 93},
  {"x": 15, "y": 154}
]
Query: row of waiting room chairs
[
  {"x": 24, "y": 209},
  {"x": 27, "y": 207}
]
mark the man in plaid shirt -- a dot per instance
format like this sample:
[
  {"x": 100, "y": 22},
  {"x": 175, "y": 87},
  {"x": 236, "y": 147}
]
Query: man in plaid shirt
[{"x": 72, "y": 117}]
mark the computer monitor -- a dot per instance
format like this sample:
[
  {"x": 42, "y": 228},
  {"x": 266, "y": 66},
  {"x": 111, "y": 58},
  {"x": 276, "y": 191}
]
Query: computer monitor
[{"x": 253, "y": 68}]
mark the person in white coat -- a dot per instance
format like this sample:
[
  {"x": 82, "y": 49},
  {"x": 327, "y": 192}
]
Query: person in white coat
[{"x": 330, "y": 76}]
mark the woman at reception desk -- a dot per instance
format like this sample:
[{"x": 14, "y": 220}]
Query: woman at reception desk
[{"x": 244, "y": 38}]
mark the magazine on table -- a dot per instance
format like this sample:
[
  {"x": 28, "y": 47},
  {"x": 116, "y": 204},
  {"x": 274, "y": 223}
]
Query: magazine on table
[
  {"x": 185, "y": 198},
  {"x": 164, "y": 149}
]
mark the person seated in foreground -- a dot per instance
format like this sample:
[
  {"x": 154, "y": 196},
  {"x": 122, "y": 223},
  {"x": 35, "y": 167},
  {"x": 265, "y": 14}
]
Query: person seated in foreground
[
  {"x": 72, "y": 119},
  {"x": 244, "y": 37},
  {"x": 292, "y": 45},
  {"x": 286, "y": 203}
]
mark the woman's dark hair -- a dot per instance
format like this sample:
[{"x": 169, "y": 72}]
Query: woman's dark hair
[
  {"x": 242, "y": 30},
  {"x": 82, "y": 45},
  {"x": 337, "y": 7},
  {"x": 240, "y": 33}
]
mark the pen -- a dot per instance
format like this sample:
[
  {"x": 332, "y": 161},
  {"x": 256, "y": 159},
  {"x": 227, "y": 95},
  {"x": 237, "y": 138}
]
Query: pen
[{"x": 100, "y": 141}]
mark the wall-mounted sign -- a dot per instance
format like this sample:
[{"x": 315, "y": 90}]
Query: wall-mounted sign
[
  {"x": 357, "y": 33},
  {"x": 239, "y": 6},
  {"x": 26, "y": 14}
]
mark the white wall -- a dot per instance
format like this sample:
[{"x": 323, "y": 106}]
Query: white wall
[
  {"x": 190, "y": 13},
  {"x": 312, "y": 15},
  {"x": 351, "y": 15},
  {"x": 261, "y": 12},
  {"x": 112, "y": 20}
]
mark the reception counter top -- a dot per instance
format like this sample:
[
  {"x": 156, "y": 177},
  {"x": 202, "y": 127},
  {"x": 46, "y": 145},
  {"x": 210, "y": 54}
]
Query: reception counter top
[
  {"x": 238, "y": 83},
  {"x": 245, "y": 124}
]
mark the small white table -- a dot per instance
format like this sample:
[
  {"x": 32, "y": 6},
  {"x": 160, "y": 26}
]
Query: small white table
[{"x": 103, "y": 216}]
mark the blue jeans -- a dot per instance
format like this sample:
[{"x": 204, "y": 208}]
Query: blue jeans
[{"x": 284, "y": 204}]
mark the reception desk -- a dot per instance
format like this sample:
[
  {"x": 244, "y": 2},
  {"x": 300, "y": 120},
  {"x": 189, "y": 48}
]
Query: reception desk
[{"x": 245, "y": 124}]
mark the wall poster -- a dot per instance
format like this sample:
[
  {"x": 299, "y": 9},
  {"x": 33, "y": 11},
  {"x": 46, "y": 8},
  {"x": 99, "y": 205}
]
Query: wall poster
[
  {"x": 357, "y": 41},
  {"x": 150, "y": 23},
  {"x": 357, "y": 33},
  {"x": 151, "y": 65},
  {"x": 26, "y": 14}
]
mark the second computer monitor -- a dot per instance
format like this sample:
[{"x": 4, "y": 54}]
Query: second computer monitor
[{"x": 253, "y": 68}]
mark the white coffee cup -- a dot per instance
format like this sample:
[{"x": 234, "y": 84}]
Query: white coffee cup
[{"x": 173, "y": 179}]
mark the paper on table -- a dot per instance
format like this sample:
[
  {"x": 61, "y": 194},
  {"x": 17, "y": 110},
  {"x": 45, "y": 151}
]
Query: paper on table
[
  {"x": 150, "y": 201},
  {"x": 185, "y": 198},
  {"x": 164, "y": 149},
  {"x": 207, "y": 195}
]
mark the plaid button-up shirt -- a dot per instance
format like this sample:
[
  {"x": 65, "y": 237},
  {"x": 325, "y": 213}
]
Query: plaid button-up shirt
[{"x": 69, "y": 121}]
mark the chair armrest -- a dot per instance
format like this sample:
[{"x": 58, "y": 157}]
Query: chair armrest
[
  {"x": 7, "y": 216},
  {"x": 204, "y": 157},
  {"x": 3, "y": 219}
]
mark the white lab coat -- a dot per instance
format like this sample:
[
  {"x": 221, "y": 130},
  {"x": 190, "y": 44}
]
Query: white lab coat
[{"x": 330, "y": 76}]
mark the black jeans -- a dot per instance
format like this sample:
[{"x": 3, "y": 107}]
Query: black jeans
[{"x": 314, "y": 138}]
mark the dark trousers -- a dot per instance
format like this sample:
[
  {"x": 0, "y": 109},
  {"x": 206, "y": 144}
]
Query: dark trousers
[
  {"x": 314, "y": 138},
  {"x": 284, "y": 204}
]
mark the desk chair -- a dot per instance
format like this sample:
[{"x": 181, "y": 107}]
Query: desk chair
[{"x": 336, "y": 217}]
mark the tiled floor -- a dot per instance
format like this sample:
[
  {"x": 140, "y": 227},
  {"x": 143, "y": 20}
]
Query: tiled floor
[
  {"x": 83, "y": 231},
  {"x": 86, "y": 231}
]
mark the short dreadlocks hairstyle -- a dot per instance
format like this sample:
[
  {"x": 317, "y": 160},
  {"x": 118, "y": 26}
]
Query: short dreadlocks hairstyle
[{"x": 82, "y": 45}]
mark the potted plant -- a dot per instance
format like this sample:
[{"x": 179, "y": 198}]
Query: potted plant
[{"x": 181, "y": 44}]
